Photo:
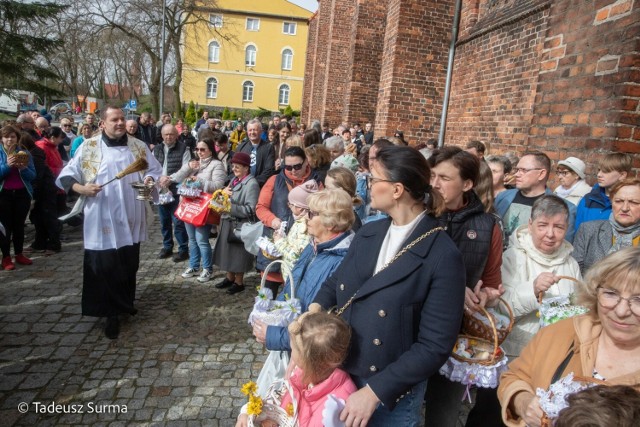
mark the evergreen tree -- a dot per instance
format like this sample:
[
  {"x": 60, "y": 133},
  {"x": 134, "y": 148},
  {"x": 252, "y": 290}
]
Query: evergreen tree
[
  {"x": 225, "y": 114},
  {"x": 190, "y": 116},
  {"x": 22, "y": 51}
]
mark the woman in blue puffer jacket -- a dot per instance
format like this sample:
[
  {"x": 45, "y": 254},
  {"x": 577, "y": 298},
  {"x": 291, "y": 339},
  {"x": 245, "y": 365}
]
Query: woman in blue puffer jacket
[{"x": 330, "y": 219}]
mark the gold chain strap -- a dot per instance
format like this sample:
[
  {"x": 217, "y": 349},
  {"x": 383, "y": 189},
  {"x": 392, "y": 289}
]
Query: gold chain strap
[{"x": 398, "y": 255}]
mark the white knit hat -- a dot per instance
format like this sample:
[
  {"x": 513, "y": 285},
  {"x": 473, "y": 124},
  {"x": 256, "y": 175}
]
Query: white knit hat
[{"x": 574, "y": 164}]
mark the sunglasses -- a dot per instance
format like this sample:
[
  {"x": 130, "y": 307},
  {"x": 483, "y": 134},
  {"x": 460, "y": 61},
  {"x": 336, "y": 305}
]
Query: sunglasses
[
  {"x": 313, "y": 214},
  {"x": 294, "y": 167},
  {"x": 201, "y": 149}
]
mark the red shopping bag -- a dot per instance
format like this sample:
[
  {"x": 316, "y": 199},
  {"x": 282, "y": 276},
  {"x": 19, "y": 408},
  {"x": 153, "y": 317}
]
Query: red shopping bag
[{"x": 195, "y": 210}]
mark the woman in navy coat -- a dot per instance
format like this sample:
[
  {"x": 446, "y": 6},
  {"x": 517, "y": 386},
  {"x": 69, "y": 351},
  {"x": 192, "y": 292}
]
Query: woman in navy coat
[{"x": 401, "y": 288}]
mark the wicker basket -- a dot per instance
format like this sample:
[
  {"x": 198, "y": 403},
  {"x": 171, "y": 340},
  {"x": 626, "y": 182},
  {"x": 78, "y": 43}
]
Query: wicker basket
[
  {"x": 491, "y": 344},
  {"x": 475, "y": 327},
  {"x": 474, "y": 371},
  {"x": 545, "y": 421},
  {"x": 271, "y": 409},
  {"x": 265, "y": 309}
]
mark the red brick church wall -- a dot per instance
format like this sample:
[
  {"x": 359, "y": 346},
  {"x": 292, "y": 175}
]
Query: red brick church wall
[{"x": 561, "y": 76}]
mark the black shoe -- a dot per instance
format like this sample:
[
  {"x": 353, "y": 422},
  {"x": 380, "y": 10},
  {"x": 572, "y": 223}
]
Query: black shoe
[
  {"x": 165, "y": 253},
  {"x": 180, "y": 256},
  {"x": 224, "y": 284},
  {"x": 112, "y": 328},
  {"x": 235, "y": 289}
]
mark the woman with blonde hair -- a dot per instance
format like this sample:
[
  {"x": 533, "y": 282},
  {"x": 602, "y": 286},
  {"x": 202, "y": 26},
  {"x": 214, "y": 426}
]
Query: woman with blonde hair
[
  {"x": 330, "y": 219},
  {"x": 344, "y": 179},
  {"x": 603, "y": 344},
  {"x": 84, "y": 132}
]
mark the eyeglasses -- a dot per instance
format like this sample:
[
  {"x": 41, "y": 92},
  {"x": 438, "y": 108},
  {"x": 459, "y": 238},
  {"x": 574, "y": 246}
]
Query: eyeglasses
[
  {"x": 294, "y": 167},
  {"x": 313, "y": 214},
  {"x": 563, "y": 172},
  {"x": 66, "y": 125},
  {"x": 525, "y": 170},
  {"x": 202, "y": 149},
  {"x": 373, "y": 180},
  {"x": 608, "y": 298}
]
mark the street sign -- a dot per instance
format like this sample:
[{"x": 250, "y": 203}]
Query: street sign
[{"x": 133, "y": 104}]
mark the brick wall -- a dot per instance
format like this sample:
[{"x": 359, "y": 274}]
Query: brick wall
[
  {"x": 414, "y": 65},
  {"x": 561, "y": 76},
  {"x": 589, "y": 85},
  {"x": 495, "y": 75},
  {"x": 367, "y": 39},
  {"x": 310, "y": 70},
  {"x": 339, "y": 55},
  {"x": 315, "y": 73}
]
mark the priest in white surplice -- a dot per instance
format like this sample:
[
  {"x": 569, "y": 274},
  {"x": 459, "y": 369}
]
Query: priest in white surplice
[{"x": 114, "y": 221}]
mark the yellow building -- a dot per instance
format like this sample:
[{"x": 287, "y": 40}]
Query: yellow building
[{"x": 248, "y": 54}]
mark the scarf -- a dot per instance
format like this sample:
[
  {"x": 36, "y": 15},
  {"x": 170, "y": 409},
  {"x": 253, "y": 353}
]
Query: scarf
[
  {"x": 564, "y": 192},
  {"x": 622, "y": 236}
]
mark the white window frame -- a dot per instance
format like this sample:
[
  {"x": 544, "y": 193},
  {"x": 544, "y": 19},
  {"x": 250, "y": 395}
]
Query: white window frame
[
  {"x": 216, "y": 56},
  {"x": 250, "y": 86},
  {"x": 287, "y": 25},
  {"x": 287, "y": 93},
  {"x": 215, "y": 20},
  {"x": 289, "y": 63},
  {"x": 212, "y": 94},
  {"x": 248, "y": 58},
  {"x": 253, "y": 20}
]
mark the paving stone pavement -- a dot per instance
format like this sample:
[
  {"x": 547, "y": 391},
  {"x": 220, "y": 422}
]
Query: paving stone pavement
[{"x": 179, "y": 362}]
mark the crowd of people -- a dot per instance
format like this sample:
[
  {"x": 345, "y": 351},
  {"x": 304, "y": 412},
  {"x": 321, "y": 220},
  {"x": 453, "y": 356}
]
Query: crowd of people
[{"x": 401, "y": 240}]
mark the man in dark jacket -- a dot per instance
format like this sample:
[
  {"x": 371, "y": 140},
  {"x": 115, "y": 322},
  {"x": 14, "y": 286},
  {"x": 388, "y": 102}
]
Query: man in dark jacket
[
  {"x": 261, "y": 152},
  {"x": 147, "y": 131},
  {"x": 187, "y": 139},
  {"x": 172, "y": 155}
]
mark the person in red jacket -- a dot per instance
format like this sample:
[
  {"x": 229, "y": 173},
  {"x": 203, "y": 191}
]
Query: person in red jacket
[{"x": 48, "y": 229}]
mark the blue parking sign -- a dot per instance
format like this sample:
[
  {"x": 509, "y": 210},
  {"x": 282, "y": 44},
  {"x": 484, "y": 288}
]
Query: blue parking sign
[{"x": 133, "y": 104}]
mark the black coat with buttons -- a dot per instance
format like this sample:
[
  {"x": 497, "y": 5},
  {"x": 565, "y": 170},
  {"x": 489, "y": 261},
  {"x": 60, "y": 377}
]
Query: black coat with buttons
[{"x": 406, "y": 318}]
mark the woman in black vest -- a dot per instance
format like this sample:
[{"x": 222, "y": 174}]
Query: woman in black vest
[
  {"x": 273, "y": 205},
  {"x": 478, "y": 235}
]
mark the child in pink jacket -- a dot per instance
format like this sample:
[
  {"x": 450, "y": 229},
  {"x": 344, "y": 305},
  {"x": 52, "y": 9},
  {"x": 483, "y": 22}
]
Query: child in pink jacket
[{"x": 319, "y": 345}]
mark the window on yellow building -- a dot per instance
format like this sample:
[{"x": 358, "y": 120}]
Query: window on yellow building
[
  {"x": 247, "y": 91},
  {"x": 253, "y": 24},
  {"x": 215, "y": 20},
  {"x": 212, "y": 87},
  {"x": 287, "y": 59},
  {"x": 283, "y": 95},
  {"x": 250, "y": 56},
  {"x": 289, "y": 28},
  {"x": 214, "y": 51}
]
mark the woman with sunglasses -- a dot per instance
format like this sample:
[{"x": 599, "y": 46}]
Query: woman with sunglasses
[
  {"x": 603, "y": 344},
  {"x": 273, "y": 209},
  {"x": 211, "y": 174}
]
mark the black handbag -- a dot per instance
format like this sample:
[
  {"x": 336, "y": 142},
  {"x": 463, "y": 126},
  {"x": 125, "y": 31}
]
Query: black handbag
[
  {"x": 234, "y": 233},
  {"x": 236, "y": 227}
]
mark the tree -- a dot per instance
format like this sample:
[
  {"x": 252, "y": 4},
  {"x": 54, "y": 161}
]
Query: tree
[
  {"x": 190, "y": 117},
  {"x": 225, "y": 114},
  {"x": 21, "y": 55}
]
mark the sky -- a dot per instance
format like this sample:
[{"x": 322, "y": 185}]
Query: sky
[{"x": 311, "y": 5}]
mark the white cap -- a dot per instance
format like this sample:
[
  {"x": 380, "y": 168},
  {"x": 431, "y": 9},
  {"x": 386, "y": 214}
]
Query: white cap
[{"x": 574, "y": 164}]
